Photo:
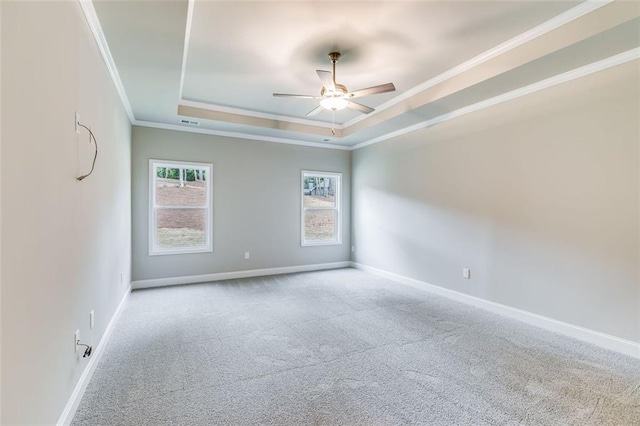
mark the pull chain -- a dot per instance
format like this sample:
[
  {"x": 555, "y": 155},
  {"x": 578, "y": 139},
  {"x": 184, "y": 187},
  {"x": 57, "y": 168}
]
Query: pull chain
[{"x": 333, "y": 120}]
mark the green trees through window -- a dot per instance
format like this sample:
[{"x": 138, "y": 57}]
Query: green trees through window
[
  {"x": 320, "y": 208},
  {"x": 188, "y": 175},
  {"x": 180, "y": 208}
]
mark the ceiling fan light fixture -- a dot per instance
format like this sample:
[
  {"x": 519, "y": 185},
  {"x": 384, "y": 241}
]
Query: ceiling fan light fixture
[
  {"x": 336, "y": 96},
  {"x": 334, "y": 103}
]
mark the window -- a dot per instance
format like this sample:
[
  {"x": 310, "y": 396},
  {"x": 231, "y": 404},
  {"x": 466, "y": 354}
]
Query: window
[
  {"x": 321, "y": 208},
  {"x": 180, "y": 216}
]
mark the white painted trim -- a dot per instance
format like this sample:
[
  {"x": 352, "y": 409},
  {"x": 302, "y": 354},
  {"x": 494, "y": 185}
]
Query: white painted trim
[
  {"x": 583, "y": 71},
  {"x": 194, "y": 279},
  {"x": 153, "y": 207},
  {"x": 564, "y": 18},
  {"x": 554, "y": 23},
  {"x": 603, "y": 340},
  {"x": 236, "y": 135},
  {"x": 185, "y": 50},
  {"x": 257, "y": 114},
  {"x": 337, "y": 209},
  {"x": 1, "y": 3},
  {"x": 76, "y": 396},
  {"x": 550, "y": 25},
  {"x": 96, "y": 29}
]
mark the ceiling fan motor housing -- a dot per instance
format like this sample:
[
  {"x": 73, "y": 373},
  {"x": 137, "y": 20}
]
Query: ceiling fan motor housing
[
  {"x": 335, "y": 96},
  {"x": 340, "y": 91}
]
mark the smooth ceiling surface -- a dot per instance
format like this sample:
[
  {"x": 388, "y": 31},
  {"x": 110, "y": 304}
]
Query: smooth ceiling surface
[
  {"x": 239, "y": 52},
  {"x": 242, "y": 52}
]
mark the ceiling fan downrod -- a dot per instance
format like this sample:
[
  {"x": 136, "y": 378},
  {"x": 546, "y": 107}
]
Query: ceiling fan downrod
[
  {"x": 335, "y": 96},
  {"x": 334, "y": 57}
]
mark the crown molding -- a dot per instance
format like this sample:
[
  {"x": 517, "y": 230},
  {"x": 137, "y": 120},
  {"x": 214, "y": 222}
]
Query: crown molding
[
  {"x": 185, "y": 49},
  {"x": 228, "y": 117},
  {"x": 495, "y": 61},
  {"x": 237, "y": 135},
  {"x": 96, "y": 29},
  {"x": 274, "y": 118},
  {"x": 257, "y": 114},
  {"x": 622, "y": 58},
  {"x": 209, "y": 111},
  {"x": 547, "y": 26},
  {"x": 576, "y": 30}
]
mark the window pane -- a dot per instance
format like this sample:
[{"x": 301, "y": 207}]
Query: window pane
[
  {"x": 180, "y": 187},
  {"x": 319, "y": 191},
  {"x": 181, "y": 228},
  {"x": 320, "y": 225}
]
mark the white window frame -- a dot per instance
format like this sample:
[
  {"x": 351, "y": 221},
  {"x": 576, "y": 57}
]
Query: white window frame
[
  {"x": 153, "y": 207},
  {"x": 337, "y": 208}
]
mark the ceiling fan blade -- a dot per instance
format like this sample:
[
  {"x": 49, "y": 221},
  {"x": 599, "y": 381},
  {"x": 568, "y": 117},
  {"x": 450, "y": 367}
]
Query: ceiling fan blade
[
  {"x": 287, "y": 95},
  {"x": 327, "y": 79},
  {"x": 383, "y": 88},
  {"x": 359, "y": 107},
  {"x": 315, "y": 111}
]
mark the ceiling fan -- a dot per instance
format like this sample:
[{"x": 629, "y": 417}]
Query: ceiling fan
[{"x": 335, "y": 96}]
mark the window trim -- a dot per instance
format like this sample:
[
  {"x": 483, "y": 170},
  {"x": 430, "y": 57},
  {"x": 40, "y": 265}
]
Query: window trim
[
  {"x": 152, "y": 228},
  {"x": 337, "y": 209}
]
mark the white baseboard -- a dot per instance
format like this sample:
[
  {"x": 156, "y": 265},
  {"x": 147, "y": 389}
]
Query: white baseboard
[
  {"x": 193, "y": 279},
  {"x": 606, "y": 341},
  {"x": 76, "y": 396}
]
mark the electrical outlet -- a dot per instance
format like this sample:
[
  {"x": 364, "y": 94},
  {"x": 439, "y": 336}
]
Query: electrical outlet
[
  {"x": 76, "y": 339},
  {"x": 466, "y": 273},
  {"x": 77, "y": 121},
  {"x": 353, "y": 249},
  {"x": 247, "y": 255},
  {"x": 91, "y": 321}
]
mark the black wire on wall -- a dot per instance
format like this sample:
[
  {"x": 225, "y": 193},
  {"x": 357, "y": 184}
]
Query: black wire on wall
[{"x": 95, "y": 156}]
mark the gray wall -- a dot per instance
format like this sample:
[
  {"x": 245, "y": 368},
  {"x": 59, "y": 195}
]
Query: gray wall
[
  {"x": 538, "y": 196},
  {"x": 256, "y": 202},
  {"x": 65, "y": 242}
]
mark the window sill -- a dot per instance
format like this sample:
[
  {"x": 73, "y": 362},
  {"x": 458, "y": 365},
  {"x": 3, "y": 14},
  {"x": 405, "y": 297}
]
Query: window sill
[
  {"x": 321, "y": 243},
  {"x": 174, "y": 252}
]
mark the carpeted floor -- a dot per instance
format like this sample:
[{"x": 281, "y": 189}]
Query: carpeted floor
[{"x": 344, "y": 347}]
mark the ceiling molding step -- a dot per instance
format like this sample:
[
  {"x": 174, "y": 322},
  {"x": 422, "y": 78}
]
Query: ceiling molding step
[
  {"x": 232, "y": 110},
  {"x": 622, "y": 58},
  {"x": 236, "y": 135},
  {"x": 185, "y": 49},
  {"x": 553, "y": 37},
  {"x": 96, "y": 29},
  {"x": 582, "y": 9},
  {"x": 545, "y": 27},
  {"x": 256, "y": 114},
  {"x": 188, "y": 111}
]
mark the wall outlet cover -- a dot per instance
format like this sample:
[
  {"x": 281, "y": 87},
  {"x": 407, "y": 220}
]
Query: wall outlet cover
[
  {"x": 247, "y": 255},
  {"x": 466, "y": 273},
  {"x": 76, "y": 339}
]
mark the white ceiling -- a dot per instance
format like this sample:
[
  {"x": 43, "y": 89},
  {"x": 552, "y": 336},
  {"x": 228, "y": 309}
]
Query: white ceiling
[{"x": 239, "y": 52}]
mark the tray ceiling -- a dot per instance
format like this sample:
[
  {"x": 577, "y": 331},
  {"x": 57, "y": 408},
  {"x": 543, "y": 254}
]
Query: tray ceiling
[{"x": 218, "y": 62}]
